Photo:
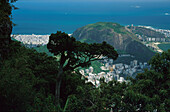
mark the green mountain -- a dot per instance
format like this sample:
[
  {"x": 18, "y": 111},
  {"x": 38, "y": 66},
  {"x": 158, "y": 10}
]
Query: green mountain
[{"x": 120, "y": 37}]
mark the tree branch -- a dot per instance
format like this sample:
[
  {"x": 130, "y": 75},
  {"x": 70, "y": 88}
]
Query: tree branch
[{"x": 90, "y": 102}]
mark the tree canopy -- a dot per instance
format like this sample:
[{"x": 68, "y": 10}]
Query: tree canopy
[
  {"x": 72, "y": 54},
  {"x": 27, "y": 80},
  {"x": 6, "y": 24},
  {"x": 148, "y": 92},
  {"x": 28, "y": 83}
]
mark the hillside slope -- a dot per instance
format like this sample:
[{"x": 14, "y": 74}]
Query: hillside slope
[
  {"x": 116, "y": 35},
  {"x": 146, "y": 32}
]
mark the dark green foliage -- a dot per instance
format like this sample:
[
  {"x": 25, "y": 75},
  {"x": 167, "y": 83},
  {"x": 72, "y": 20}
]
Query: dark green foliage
[
  {"x": 5, "y": 26},
  {"x": 85, "y": 100},
  {"x": 72, "y": 54},
  {"x": 90, "y": 99},
  {"x": 96, "y": 65},
  {"x": 43, "y": 49},
  {"x": 27, "y": 80},
  {"x": 76, "y": 54},
  {"x": 161, "y": 62},
  {"x": 69, "y": 85},
  {"x": 148, "y": 92},
  {"x": 28, "y": 84},
  {"x": 154, "y": 84}
]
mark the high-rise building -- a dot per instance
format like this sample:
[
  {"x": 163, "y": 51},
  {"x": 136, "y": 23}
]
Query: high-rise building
[
  {"x": 135, "y": 62},
  {"x": 91, "y": 69}
]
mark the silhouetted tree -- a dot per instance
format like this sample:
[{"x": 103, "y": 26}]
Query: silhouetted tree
[
  {"x": 6, "y": 24},
  {"x": 72, "y": 54}
]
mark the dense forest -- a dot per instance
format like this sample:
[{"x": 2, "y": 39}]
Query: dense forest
[{"x": 32, "y": 81}]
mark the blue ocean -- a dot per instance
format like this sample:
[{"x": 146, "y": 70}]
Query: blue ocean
[{"x": 49, "y": 16}]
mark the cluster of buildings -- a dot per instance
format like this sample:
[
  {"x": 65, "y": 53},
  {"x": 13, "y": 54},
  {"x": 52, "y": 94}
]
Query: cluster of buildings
[
  {"x": 162, "y": 31},
  {"x": 112, "y": 71},
  {"x": 152, "y": 39},
  {"x": 32, "y": 40},
  {"x": 166, "y": 33},
  {"x": 152, "y": 42}
]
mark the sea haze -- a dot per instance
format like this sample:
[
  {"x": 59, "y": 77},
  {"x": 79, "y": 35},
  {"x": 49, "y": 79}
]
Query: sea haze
[{"x": 49, "y": 16}]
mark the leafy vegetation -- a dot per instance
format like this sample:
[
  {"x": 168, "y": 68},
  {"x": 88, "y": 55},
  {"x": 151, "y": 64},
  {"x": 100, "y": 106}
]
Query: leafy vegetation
[
  {"x": 72, "y": 54},
  {"x": 5, "y": 26},
  {"x": 148, "y": 92},
  {"x": 28, "y": 84},
  {"x": 43, "y": 49},
  {"x": 96, "y": 66},
  {"x": 29, "y": 80}
]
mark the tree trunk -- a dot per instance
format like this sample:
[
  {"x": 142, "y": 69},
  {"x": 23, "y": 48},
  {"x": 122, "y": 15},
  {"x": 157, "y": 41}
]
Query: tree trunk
[
  {"x": 58, "y": 85},
  {"x": 57, "y": 91}
]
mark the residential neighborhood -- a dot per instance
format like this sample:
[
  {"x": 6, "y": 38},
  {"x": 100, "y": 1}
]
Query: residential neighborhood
[
  {"x": 112, "y": 71},
  {"x": 33, "y": 40}
]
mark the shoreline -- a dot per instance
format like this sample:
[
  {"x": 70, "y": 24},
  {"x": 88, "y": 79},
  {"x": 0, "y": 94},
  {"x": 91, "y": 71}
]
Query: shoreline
[
  {"x": 125, "y": 25},
  {"x": 32, "y": 40},
  {"x": 42, "y": 39},
  {"x": 36, "y": 34}
]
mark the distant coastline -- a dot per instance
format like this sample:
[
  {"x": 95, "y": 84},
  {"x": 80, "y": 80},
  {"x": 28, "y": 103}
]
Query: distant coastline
[
  {"x": 32, "y": 40},
  {"x": 161, "y": 30},
  {"x": 166, "y": 32}
]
